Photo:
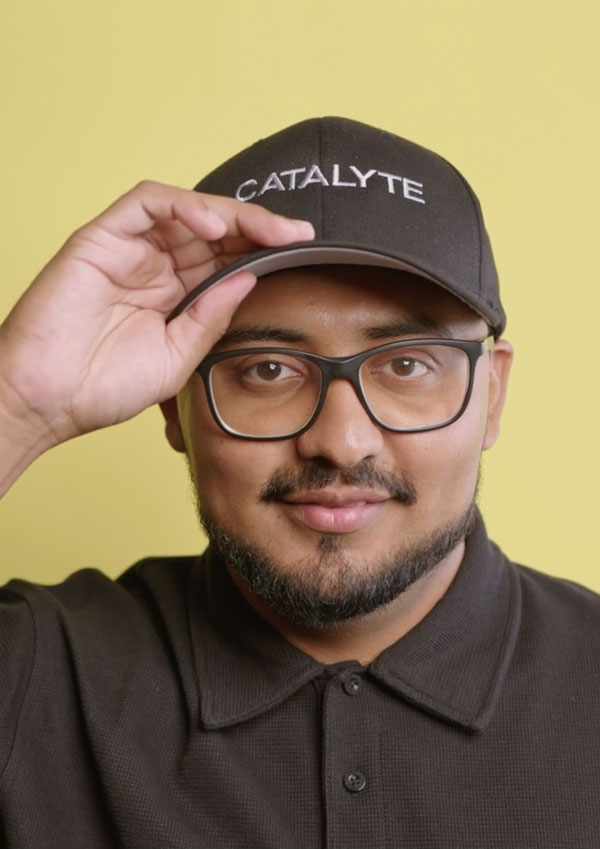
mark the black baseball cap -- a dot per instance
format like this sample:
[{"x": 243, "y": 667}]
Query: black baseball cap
[{"x": 374, "y": 199}]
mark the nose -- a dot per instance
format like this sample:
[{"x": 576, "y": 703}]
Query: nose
[{"x": 343, "y": 433}]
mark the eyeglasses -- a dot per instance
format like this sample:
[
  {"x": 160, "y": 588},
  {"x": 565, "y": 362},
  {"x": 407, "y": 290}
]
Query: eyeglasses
[{"x": 277, "y": 393}]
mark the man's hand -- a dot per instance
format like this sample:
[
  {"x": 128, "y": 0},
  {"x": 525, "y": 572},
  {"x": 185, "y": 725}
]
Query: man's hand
[{"x": 87, "y": 345}]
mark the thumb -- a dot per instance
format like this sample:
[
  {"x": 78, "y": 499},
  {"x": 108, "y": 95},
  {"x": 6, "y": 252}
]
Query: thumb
[{"x": 193, "y": 333}]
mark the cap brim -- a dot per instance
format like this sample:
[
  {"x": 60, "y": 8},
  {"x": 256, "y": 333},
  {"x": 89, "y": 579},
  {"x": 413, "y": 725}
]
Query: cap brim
[{"x": 296, "y": 256}]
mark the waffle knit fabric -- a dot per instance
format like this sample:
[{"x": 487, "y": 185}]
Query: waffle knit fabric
[{"x": 159, "y": 712}]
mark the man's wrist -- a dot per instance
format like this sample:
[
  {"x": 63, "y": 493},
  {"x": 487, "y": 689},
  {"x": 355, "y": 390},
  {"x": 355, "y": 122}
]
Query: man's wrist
[{"x": 21, "y": 442}]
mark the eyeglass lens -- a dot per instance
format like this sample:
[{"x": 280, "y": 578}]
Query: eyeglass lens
[{"x": 267, "y": 395}]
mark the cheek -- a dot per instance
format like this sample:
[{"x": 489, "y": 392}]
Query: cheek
[
  {"x": 444, "y": 464},
  {"x": 229, "y": 473}
]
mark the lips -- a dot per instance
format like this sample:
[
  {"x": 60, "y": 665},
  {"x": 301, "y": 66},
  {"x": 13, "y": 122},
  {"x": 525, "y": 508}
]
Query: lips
[{"x": 335, "y": 511}]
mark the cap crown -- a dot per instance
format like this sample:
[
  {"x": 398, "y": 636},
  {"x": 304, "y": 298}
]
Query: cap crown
[{"x": 366, "y": 188}]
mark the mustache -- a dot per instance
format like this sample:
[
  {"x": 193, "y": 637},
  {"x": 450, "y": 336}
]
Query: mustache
[{"x": 320, "y": 474}]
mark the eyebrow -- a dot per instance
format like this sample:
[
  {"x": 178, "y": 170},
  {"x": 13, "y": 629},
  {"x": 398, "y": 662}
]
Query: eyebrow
[
  {"x": 271, "y": 333},
  {"x": 260, "y": 333},
  {"x": 418, "y": 327}
]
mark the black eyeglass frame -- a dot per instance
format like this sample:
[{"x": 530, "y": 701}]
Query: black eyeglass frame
[{"x": 346, "y": 368}]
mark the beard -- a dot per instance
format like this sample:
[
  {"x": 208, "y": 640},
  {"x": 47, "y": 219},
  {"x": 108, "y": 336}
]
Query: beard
[{"x": 329, "y": 588}]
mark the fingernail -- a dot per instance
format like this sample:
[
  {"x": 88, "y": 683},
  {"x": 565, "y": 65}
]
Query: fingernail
[
  {"x": 304, "y": 228},
  {"x": 213, "y": 216}
]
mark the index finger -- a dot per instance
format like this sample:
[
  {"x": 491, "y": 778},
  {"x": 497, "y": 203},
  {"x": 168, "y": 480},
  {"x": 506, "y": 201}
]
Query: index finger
[
  {"x": 209, "y": 216},
  {"x": 256, "y": 224}
]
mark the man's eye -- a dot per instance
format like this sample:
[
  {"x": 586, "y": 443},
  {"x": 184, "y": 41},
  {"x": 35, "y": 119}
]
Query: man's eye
[
  {"x": 268, "y": 370},
  {"x": 404, "y": 367}
]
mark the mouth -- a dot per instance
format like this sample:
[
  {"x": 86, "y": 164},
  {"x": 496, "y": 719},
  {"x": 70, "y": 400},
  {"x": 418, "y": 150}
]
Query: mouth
[{"x": 335, "y": 511}]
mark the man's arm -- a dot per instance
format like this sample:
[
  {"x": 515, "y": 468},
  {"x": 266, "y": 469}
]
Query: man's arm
[{"x": 87, "y": 345}]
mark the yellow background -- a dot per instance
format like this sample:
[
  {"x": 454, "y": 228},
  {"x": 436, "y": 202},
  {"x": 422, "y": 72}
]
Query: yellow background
[{"x": 96, "y": 96}]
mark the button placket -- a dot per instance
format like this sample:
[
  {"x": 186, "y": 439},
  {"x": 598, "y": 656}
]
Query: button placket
[{"x": 352, "y": 763}]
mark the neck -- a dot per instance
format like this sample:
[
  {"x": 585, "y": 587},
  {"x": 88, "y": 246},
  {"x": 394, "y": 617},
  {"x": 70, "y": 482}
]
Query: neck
[{"x": 364, "y": 638}]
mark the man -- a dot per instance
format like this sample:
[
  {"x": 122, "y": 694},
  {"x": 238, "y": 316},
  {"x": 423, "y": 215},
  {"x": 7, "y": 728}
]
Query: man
[{"x": 352, "y": 663}]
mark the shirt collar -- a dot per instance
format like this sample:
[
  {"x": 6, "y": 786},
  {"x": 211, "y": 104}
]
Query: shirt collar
[
  {"x": 452, "y": 664},
  {"x": 244, "y": 666}
]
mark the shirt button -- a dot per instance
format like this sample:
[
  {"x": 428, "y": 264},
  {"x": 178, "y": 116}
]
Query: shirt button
[
  {"x": 355, "y": 782},
  {"x": 352, "y": 684}
]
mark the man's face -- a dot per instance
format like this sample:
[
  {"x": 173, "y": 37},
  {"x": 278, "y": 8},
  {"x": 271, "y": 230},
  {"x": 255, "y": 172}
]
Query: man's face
[{"x": 341, "y": 508}]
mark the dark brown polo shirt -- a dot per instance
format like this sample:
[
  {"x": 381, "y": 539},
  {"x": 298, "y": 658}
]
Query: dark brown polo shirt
[{"x": 160, "y": 711}]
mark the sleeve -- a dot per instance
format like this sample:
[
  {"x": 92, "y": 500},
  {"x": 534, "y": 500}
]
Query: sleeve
[{"x": 17, "y": 651}]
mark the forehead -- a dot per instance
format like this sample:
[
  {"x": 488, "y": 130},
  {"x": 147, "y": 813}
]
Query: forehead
[{"x": 346, "y": 300}]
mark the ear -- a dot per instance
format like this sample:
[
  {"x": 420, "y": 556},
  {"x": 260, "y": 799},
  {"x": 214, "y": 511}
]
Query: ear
[
  {"x": 501, "y": 358},
  {"x": 173, "y": 430}
]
